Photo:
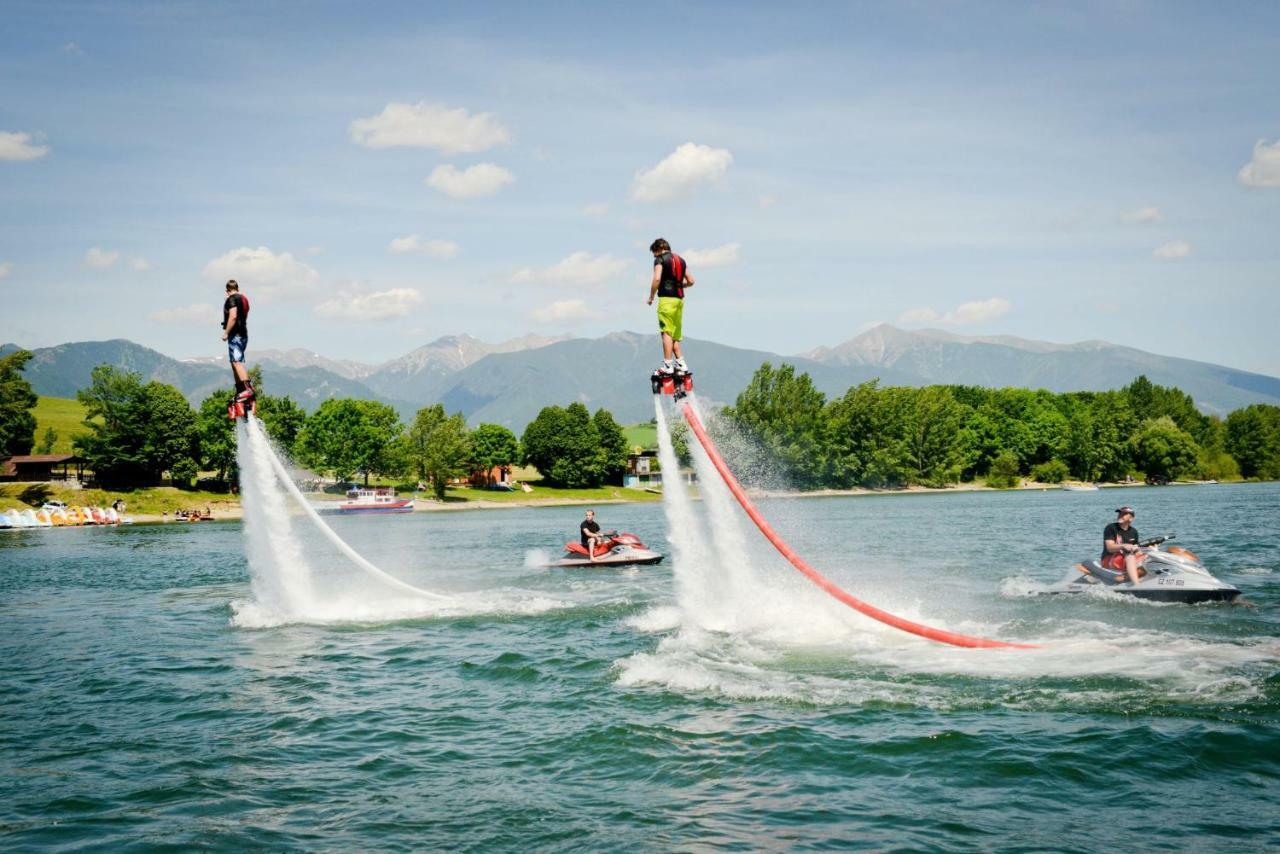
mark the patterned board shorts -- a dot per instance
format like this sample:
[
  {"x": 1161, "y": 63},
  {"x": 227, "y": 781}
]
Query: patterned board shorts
[{"x": 236, "y": 345}]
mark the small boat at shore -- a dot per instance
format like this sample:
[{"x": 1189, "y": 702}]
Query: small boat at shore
[
  {"x": 378, "y": 500},
  {"x": 1080, "y": 487}
]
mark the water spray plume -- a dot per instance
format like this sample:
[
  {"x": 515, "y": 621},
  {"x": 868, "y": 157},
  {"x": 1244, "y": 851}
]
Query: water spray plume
[
  {"x": 695, "y": 424},
  {"x": 261, "y": 457}
]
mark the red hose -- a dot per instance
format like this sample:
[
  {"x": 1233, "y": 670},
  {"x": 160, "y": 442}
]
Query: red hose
[{"x": 818, "y": 578}]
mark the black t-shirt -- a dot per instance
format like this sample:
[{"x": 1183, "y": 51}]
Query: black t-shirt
[
  {"x": 241, "y": 304},
  {"x": 1120, "y": 535},
  {"x": 588, "y": 525},
  {"x": 673, "y": 270}
]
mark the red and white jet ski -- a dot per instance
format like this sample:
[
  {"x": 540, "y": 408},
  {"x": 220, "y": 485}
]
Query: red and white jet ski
[{"x": 621, "y": 549}]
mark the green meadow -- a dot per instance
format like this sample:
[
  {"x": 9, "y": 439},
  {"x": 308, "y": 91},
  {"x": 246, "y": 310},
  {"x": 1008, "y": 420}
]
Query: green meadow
[{"x": 65, "y": 416}]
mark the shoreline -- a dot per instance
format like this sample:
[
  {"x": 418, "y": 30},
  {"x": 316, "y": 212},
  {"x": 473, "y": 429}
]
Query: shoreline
[{"x": 232, "y": 511}]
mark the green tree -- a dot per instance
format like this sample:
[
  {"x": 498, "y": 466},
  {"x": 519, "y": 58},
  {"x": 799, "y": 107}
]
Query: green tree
[
  {"x": 1162, "y": 449},
  {"x": 438, "y": 447},
  {"x": 493, "y": 445},
  {"x": 936, "y": 448},
  {"x": 1054, "y": 471},
  {"x": 17, "y": 424},
  {"x": 564, "y": 446},
  {"x": 785, "y": 414},
  {"x": 47, "y": 440},
  {"x": 346, "y": 436},
  {"x": 611, "y": 447},
  {"x": 1004, "y": 471},
  {"x": 136, "y": 431},
  {"x": 1112, "y": 422},
  {"x": 217, "y": 434},
  {"x": 1150, "y": 401},
  {"x": 1253, "y": 439},
  {"x": 282, "y": 419}
]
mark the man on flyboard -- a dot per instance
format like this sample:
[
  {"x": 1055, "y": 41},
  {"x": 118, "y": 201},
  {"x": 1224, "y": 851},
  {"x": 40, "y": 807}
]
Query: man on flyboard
[{"x": 235, "y": 331}]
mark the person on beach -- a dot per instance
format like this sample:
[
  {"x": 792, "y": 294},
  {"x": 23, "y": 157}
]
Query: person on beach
[
  {"x": 590, "y": 532},
  {"x": 670, "y": 278},
  {"x": 235, "y": 331},
  {"x": 1120, "y": 548}
]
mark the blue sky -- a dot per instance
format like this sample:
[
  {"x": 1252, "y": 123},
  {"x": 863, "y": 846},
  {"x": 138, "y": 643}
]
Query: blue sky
[{"x": 378, "y": 175}]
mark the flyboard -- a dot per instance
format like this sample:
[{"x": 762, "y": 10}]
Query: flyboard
[
  {"x": 242, "y": 408},
  {"x": 679, "y": 385}
]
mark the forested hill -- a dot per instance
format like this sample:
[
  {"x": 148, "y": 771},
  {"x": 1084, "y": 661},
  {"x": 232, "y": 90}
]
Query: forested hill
[{"x": 508, "y": 384}]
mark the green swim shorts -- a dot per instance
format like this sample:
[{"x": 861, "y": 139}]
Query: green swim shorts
[{"x": 670, "y": 316}]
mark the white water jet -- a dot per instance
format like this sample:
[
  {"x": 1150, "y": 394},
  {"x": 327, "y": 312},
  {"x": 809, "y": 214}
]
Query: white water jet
[
  {"x": 330, "y": 535},
  {"x": 741, "y": 578},
  {"x": 695, "y": 568},
  {"x": 279, "y": 575},
  {"x": 284, "y": 584}
]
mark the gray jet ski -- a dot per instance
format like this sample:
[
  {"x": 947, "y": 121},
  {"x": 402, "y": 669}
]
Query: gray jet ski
[{"x": 1172, "y": 574}]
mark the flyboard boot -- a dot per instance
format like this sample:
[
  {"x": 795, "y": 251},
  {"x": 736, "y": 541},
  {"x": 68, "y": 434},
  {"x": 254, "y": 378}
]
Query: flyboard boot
[
  {"x": 673, "y": 379},
  {"x": 243, "y": 402}
]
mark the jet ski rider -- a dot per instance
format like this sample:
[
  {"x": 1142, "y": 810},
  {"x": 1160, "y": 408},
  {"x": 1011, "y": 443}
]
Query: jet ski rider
[
  {"x": 1120, "y": 548},
  {"x": 590, "y": 531}
]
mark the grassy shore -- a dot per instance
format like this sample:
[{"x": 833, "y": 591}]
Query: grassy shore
[
  {"x": 138, "y": 502},
  {"x": 64, "y": 415}
]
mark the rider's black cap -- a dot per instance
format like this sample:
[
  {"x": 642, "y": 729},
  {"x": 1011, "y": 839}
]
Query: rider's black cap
[{"x": 1121, "y": 511}]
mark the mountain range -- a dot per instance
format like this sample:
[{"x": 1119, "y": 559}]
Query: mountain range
[{"x": 509, "y": 383}]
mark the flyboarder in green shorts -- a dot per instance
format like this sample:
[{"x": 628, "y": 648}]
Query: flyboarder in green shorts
[{"x": 670, "y": 278}]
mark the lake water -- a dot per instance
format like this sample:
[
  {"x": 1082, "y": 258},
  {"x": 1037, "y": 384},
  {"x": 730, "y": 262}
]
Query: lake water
[{"x": 152, "y": 697}]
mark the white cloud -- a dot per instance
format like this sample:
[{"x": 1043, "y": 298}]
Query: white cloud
[
  {"x": 1263, "y": 170},
  {"x": 965, "y": 314},
  {"x": 767, "y": 202},
  {"x": 263, "y": 273},
  {"x": 684, "y": 169},
  {"x": 483, "y": 179},
  {"x": 100, "y": 259},
  {"x": 564, "y": 311},
  {"x": 72, "y": 47},
  {"x": 581, "y": 269},
  {"x": 20, "y": 146},
  {"x": 195, "y": 314},
  {"x": 597, "y": 210},
  {"x": 721, "y": 256},
  {"x": 382, "y": 305},
  {"x": 1148, "y": 214},
  {"x": 434, "y": 248},
  {"x": 425, "y": 125},
  {"x": 140, "y": 264},
  {"x": 1173, "y": 250},
  {"x": 5, "y": 269}
]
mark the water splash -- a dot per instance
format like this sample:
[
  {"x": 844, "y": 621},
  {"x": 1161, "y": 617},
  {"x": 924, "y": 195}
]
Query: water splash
[
  {"x": 286, "y": 585},
  {"x": 280, "y": 576},
  {"x": 694, "y": 565}
]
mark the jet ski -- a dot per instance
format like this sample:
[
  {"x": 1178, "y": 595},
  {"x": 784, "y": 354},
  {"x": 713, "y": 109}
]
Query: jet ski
[
  {"x": 1171, "y": 574},
  {"x": 621, "y": 549}
]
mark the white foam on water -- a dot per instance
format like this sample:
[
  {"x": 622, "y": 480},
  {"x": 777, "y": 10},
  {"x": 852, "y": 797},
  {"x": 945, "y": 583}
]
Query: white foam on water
[
  {"x": 1083, "y": 664},
  {"x": 536, "y": 558},
  {"x": 1253, "y": 570},
  {"x": 664, "y": 618}
]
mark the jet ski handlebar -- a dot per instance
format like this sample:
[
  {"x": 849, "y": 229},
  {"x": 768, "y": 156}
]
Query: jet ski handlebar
[{"x": 1155, "y": 541}]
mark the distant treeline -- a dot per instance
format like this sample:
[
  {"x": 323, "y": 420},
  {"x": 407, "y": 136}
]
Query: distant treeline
[
  {"x": 136, "y": 433},
  {"x": 782, "y": 429}
]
